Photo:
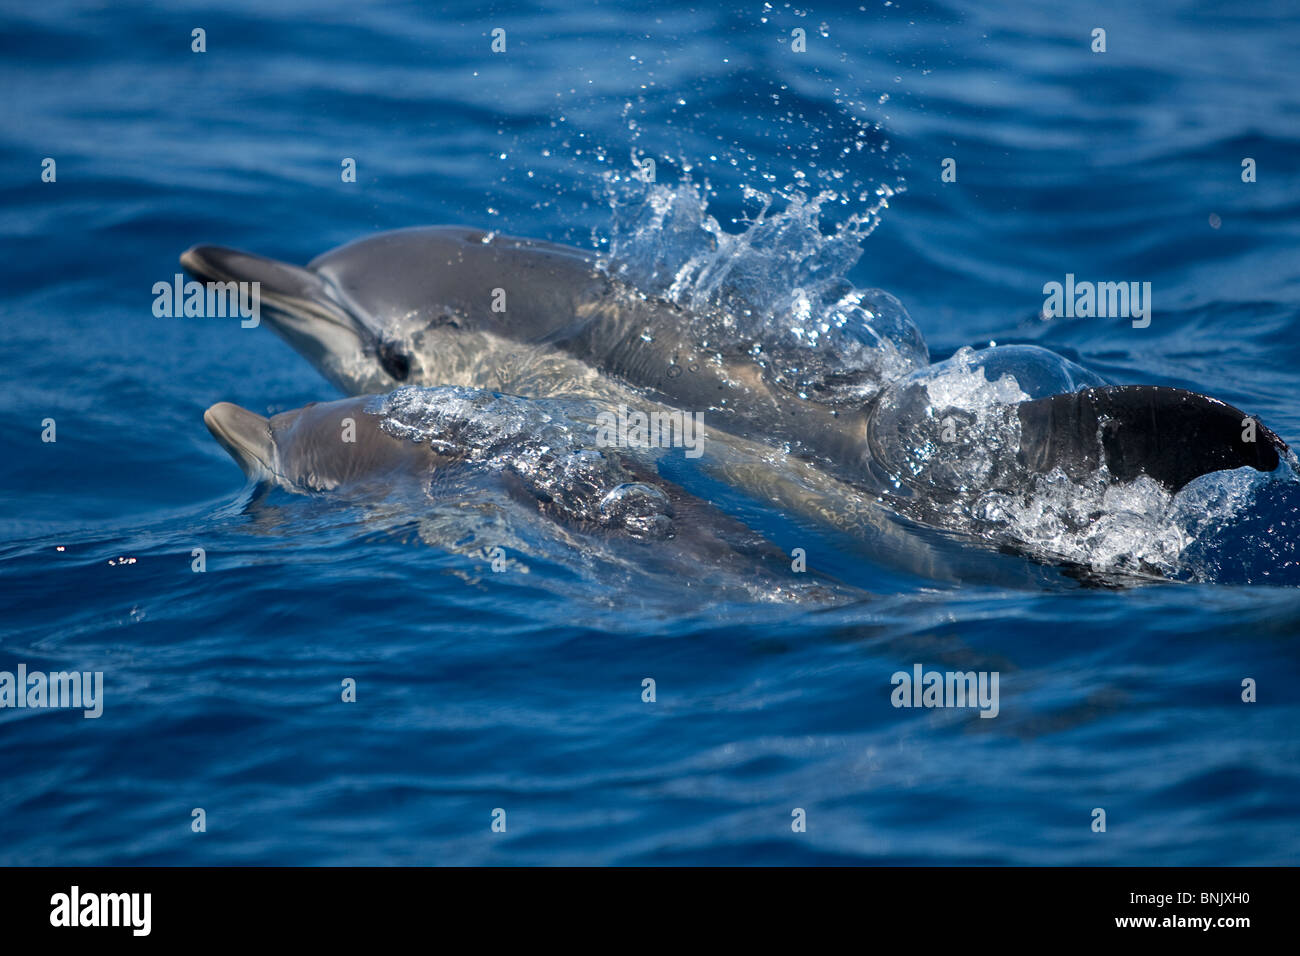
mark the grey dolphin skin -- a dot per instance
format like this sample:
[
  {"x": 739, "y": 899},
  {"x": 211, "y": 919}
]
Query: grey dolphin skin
[{"x": 451, "y": 305}]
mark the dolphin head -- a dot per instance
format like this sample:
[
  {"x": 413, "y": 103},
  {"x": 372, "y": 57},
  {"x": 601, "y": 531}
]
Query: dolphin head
[
  {"x": 317, "y": 447},
  {"x": 343, "y": 344},
  {"x": 246, "y": 436},
  {"x": 381, "y": 312}
]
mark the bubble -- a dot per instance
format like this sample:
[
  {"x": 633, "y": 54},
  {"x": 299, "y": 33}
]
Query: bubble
[{"x": 639, "y": 508}]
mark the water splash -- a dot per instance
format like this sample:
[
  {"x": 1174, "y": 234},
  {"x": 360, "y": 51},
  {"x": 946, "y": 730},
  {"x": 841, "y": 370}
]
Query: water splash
[
  {"x": 949, "y": 439},
  {"x": 546, "y": 446},
  {"x": 778, "y": 288}
]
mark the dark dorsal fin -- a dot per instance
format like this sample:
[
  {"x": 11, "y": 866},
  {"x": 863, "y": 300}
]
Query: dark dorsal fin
[{"x": 1170, "y": 434}]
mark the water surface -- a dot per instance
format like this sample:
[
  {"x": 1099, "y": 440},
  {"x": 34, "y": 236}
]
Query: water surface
[{"x": 523, "y": 691}]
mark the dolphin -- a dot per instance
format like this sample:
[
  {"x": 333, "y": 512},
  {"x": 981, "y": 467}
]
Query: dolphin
[
  {"x": 454, "y": 305},
  {"x": 406, "y": 452}
]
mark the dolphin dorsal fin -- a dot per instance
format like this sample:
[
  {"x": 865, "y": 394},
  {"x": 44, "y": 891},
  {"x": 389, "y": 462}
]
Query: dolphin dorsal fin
[{"x": 1170, "y": 434}]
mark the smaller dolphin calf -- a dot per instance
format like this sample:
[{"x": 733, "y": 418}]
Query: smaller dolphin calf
[
  {"x": 417, "y": 448},
  {"x": 371, "y": 442}
]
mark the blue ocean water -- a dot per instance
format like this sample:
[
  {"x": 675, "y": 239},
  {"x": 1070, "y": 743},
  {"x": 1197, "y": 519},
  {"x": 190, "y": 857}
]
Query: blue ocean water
[{"x": 478, "y": 691}]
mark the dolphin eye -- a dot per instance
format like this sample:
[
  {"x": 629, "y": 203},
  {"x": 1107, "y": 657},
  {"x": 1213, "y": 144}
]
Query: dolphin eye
[{"x": 397, "y": 364}]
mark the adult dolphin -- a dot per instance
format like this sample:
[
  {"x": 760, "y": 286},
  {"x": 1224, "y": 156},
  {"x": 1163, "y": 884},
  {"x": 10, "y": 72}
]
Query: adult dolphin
[{"x": 452, "y": 305}]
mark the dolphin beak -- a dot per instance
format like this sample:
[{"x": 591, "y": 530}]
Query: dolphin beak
[
  {"x": 245, "y": 435},
  {"x": 289, "y": 290},
  {"x": 1170, "y": 434},
  {"x": 297, "y": 303}
]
